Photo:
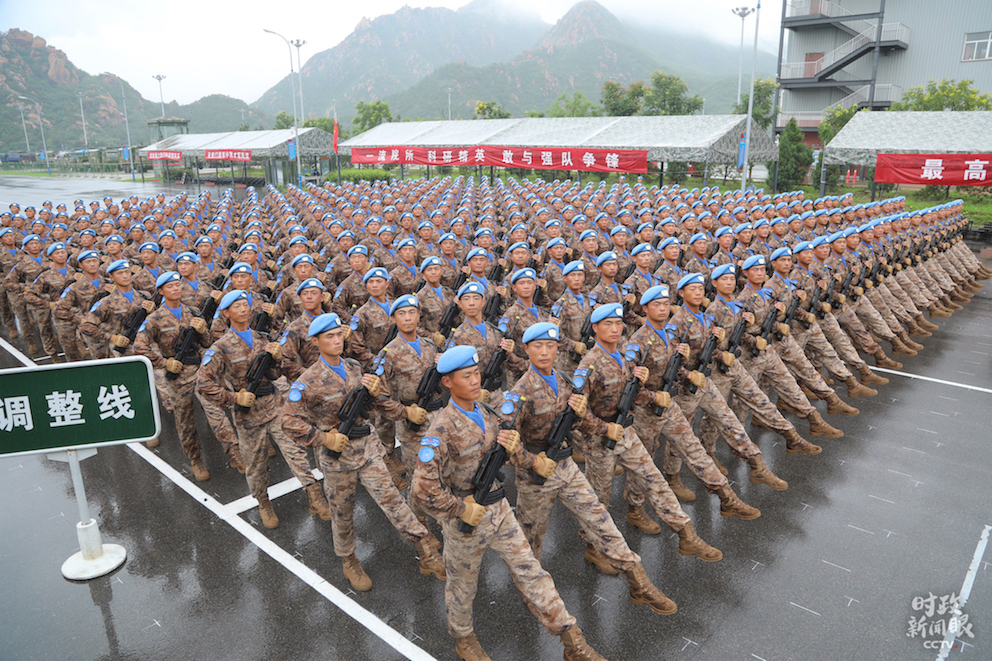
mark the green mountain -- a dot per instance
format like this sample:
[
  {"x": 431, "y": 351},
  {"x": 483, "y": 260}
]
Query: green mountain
[
  {"x": 30, "y": 67},
  {"x": 388, "y": 54}
]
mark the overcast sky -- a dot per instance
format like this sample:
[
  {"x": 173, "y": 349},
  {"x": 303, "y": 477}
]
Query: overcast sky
[{"x": 218, "y": 46}]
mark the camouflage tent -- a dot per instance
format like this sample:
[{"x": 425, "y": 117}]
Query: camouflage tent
[{"x": 262, "y": 144}]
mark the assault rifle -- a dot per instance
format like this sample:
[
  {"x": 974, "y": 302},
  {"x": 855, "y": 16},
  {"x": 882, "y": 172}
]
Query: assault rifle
[
  {"x": 670, "y": 379},
  {"x": 255, "y": 376},
  {"x": 430, "y": 385},
  {"x": 625, "y": 409},
  {"x": 183, "y": 346},
  {"x": 767, "y": 328},
  {"x": 561, "y": 428},
  {"x": 706, "y": 356},
  {"x": 790, "y": 313},
  {"x": 493, "y": 308},
  {"x": 355, "y": 407},
  {"x": 492, "y": 376},
  {"x": 133, "y": 322},
  {"x": 585, "y": 337},
  {"x": 491, "y": 468},
  {"x": 448, "y": 319}
]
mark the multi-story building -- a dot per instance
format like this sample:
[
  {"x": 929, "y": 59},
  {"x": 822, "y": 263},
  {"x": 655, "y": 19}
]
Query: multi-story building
[{"x": 828, "y": 53}]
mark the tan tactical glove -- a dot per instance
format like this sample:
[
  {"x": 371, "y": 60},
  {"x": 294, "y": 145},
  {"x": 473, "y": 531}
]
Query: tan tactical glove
[
  {"x": 544, "y": 466},
  {"x": 783, "y": 329},
  {"x": 149, "y": 306},
  {"x": 663, "y": 399},
  {"x": 274, "y": 350},
  {"x": 728, "y": 359},
  {"x": 580, "y": 348},
  {"x": 483, "y": 395},
  {"x": 335, "y": 441},
  {"x": 579, "y": 404},
  {"x": 509, "y": 439},
  {"x": 614, "y": 432},
  {"x": 245, "y": 398},
  {"x": 415, "y": 414},
  {"x": 761, "y": 343},
  {"x": 199, "y": 325},
  {"x": 697, "y": 378},
  {"x": 119, "y": 340},
  {"x": 173, "y": 365},
  {"x": 473, "y": 511},
  {"x": 371, "y": 383}
]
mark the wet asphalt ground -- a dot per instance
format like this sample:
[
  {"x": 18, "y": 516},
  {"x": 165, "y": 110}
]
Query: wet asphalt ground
[{"x": 893, "y": 511}]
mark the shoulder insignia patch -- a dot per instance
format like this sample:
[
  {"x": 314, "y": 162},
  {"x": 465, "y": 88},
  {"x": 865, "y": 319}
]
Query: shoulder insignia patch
[
  {"x": 430, "y": 440},
  {"x": 426, "y": 454},
  {"x": 208, "y": 355}
]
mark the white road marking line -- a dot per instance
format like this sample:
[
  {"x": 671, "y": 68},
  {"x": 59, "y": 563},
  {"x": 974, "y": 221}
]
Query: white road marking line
[
  {"x": 245, "y": 503},
  {"x": 969, "y": 581},
  {"x": 950, "y": 398},
  {"x": 929, "y": 431},
  {"x": 891, "y": 502},
  {"x": 898, "y": 473},
  {"x": 851, "y": 599},
  {"x": 351, "y": 608},
  {"x": 805, "y": 609},
  {"x": 861, "y": 529},
  {"x": 912, "y": 450},
  {"x": 837, "y": 566},
  {"x": 932, "y": 380}
]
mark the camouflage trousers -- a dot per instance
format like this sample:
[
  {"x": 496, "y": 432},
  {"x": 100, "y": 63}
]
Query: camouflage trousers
[
  {"x": 748, "y": 396},
  {"x": 7, "y": 313},
  {"x": 20, "y": 309},
  {"x": 923, "y": 299},
  {"x": 767, "y": 368},
  {"x": 409, "y": 447},
  {"x": 101, "y": 349},
  {"x": 856, "y": 330},
  {"x": 220, "y": 424},
  {"x": 926, "y": 288},
  {"x": 631, "y": 454},
  {"x": 797, "y": 362},
  {"x": 874, "y": 297},
  {"x": 872, "y": 320},
  {"x": 891, "y": 288},
  {"x": 932, "y": 278},
  {"x": 254, "y": 436},
  {"x": 463, "y": 555},
  {"x": 952, "y": 269},
  {"x": 680, "y": 444},
  {"x": 568, "y": 485},
  {"x": 839, "y": 340},
  {"x": 813, "y": 341},
  {"x": 386, "y": 430},
  {"x": 719, "y": 418},
  {"x": 72, "y": 344},
  {"x": 341, "y": 488},
  {"x": 43, "y": 320},
  {"x": 180, "y": 394},
  {"x": 967, "y": 258}
]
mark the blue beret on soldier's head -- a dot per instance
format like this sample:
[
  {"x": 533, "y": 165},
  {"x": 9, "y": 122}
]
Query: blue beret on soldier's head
[
  {"x": 406, "y": 243},
  {"x": 523, "y": 273},
  {"x": 407, "y": 301},
  {"x": 114, "y": 266},
  {"x": 576, "y": 265},
  {"x": 298, "y": 239},
  {"x": 166, "y": 278},
  {"x": 203, "y": 239},
  {"x": 723, "y": 270},
  {"x": 819, "y": 241},
  {"x": 90, "y": 254},
  {"x": 385, "y": 229},
  {"x": 308, "y": 284},
  {"x": 239, "y": 267},
  {"x": 641, "y": 247},
  {"x": 554, "y": 222},
  {"x": 557, "y": 241},
  {"x": 541, "y": 331},
  {"x": 55, "y": 246},
  {"x": 801, "y": 246},
  {"x": 610, "y": 310},
  {"x": 231, "y": 297},
  {"x": 248, "y": 246},
  {"x": 302, "y": 259},
  {"x": 619, "y": 229},
  {"x": 691, "y": 279},
  {"x": 607, "y": 256},
  {"x": 457, "y": 358},
  {"x": 588, "y": 234},
  {"x": 29, "y": 238},
  {"x": 114, "y": 237},
  {"x": 433, "y": 260},
  {"x": 471, "y": 288},
  {"x": 753, "y": 260},
  {"x": 358, "y": 250},
  {"x": 723, "y": 230},
  {"x": 670, "y": 241},
  {"x": 781, "y": 252},
  {"x": 324, "y": 323},
  {"x": 518, "y": 244},
  {"x": 654, "y": 293},
  {"x": 377, "y": 272},
  {"x": 476, "y": 252},
  {"x": 835, "y": 237}
]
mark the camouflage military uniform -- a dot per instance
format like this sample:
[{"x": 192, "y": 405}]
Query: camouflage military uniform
[
  {"x": 571, "y": 312},
  {"x": 298, "y": 352},
  {"x": 432, "y": 306},
  {"x": 106, "y": 318},
  {"x": 454, "y": 447},
  {"x": 44, "y": 290},
  {"x": 312, "y": 409},
  {"x": 350, "y": 294},
  {"x": 24, "y": 271},
  {"x": 74, "y": 302}
]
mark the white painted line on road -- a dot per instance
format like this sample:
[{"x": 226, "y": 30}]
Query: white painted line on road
[
  {"x": 242, "y": 505},
  {"x": 898, "y": 473},
  {"x": 912, "y": 450},
  {"x": 837, "y": 566},
  {"x": 969, "y": 581},
  {"x": 351, "y": 607},
  {"x": 891, "y": 502},
  {"x": 932, "y": 380},
  {"x": 805, "y": 609},
  {"x": 861, "y": 529}
]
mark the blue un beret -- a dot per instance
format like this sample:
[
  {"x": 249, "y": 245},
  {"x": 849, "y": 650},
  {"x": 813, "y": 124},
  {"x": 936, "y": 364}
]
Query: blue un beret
[
  {"x": 239, "y": 267},
  {"x": 407, "y": 301},
  {"x": 753, "y": 260},
  {"x": 232, "y": 296},
  {"x": 476, "y": 252},
  {"x": 471, "y": 288},
  {"x": 358, "y": 250},
  {"x": 609, "y": 310},
  {"x": 523, "y": 273},
  {"x": 606, "y": 257},
  {"x": 641, "y": 247},
  {"x": 308, "y": 284},
  {"x": 166, "y": 278},
  {"x": 541, "y": 331},
  {"x": 691, "y": 279},
  {"x": 433, "y": 260},
  {"x": 670, "y": 241},
  {"x": 90, "y": 254},
  {"x": 324, "y": 323},
  {"x": 577, "y": 265},
  {"x": 55, "y": 246},
  {"x": 801, "y": 246},
  {"x": 377, "y": 272},
  {"x": 781, "y": 252},
  {"x": 722, "y": 270},
  {"x": 653, "y": 293},
  {"x": 114, "y": 266},
  {"x": 457, "y": 358}
]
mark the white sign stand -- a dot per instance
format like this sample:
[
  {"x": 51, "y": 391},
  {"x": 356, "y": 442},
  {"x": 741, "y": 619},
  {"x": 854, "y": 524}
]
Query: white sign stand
[{"x": 94, "y": 557}]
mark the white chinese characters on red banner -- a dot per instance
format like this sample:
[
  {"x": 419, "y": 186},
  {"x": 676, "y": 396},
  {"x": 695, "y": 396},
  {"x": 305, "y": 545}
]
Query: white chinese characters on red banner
[
  {"x": 546, "y": 158},
  {"x": 165, "y": 155},
  {"x": 243, "y": 155},
  {"x": 934, "y": 169}
]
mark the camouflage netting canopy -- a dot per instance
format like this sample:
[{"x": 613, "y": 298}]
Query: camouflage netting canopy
[{"x": 263, "y": 144}]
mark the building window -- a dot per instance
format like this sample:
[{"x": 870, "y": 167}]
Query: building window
[{"x": 977, "y": 46}]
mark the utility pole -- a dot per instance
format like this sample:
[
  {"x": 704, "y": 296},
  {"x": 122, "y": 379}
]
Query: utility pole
[
  {"x": 449, "y": 104},
  {"x": 41, "y": 124},
  {"x": 25, "y": 127},
  {"x": 743, "y": 12},
  {"x": 750, "y": 101},
  {"x": 86, "y": 140},
  {"x": 161, "y": 98},
  {"x": 299, "y": 72},
  {"x": 296, "y": 128}
]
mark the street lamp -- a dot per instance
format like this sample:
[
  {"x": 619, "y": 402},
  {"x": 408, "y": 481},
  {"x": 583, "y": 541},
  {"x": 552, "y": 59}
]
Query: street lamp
[
  {"x": 127, "y": 126},
  {"x": 25, "y": 127},
  {"x": 743, "y": 12},
  {"x": 299, "y": 72},
  {"x": 296, "y": 130},
  {"x": 41, "y": 123},
  {"x": 161, "y": 98},
  {"x": 750, "y": 100},
  {"x": 449, "y": 103},
  {"x": 86, "y": 140}
]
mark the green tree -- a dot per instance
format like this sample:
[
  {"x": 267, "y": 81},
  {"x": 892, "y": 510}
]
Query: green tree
[
  {"x": 326, "y": 124},
  {"x": 669, "y": 95},
  {"x": 944, "y": 95},
  {"x": 619, "y": 101},
  {"x": 764, "y": 89},
  {"x": 834, "y": 120},
  {"x": 283, "y": 120},
  {"x": 490, "y": 110},
  {"x": 794, "y": 157},
  {"x": 578, "y": 106},
  {"x": 368, "y": 115}
]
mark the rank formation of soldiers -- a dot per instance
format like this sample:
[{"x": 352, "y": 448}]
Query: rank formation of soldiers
[{"x": 416, "y": 336}]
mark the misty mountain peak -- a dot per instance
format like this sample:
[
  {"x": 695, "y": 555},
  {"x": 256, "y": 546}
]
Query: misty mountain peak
[{"x": 585, "y": 21}]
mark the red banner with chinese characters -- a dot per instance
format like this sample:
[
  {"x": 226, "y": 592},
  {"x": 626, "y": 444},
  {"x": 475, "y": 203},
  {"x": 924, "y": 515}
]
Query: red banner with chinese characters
[
  {"x": 243, "y": 155},
  {"x": 165, "y": 155},
  {"x": 934, "y": 169},
  {"x": 545, "y": 158}
]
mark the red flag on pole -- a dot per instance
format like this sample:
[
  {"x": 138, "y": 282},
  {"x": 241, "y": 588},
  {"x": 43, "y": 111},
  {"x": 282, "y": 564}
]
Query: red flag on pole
[{"x": 335, "y": 133}]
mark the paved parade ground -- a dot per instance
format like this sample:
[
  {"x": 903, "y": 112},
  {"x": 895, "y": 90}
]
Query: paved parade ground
[{"x": 897, "y": 510}]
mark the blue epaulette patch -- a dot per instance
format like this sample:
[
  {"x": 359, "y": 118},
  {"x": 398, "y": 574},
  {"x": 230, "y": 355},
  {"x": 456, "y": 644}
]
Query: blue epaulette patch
[
  {"x": 426, "y": 454},
  {"x": 208, "y": 355},
  {"x": 430, "y": 440}
]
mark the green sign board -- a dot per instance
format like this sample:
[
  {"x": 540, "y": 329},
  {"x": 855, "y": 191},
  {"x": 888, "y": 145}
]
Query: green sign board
[{"x": 77, "y": 405}]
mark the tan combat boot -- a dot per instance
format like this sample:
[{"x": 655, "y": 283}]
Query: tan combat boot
[
  {"x": 883, "y": 361},
  {"x": 691, "y": 544},
  {"x": 837, "y": 405},
  {"x": 32, "y": 344},
  {"x": 469, "y": 649},
  {"x": 870, "y": 378},
  {"x": 637, "y": 517},
  {"x": 355, "y": 574},
  {"x": 269, "y": 518},
  {"x": 900, "y": 348},
  {"x": 272, "y": 451},
  {"x": 318, "y": 502},
  {"x": 855, "y": 389},
  {"x": 234, "y": 456},
  {"x": 720, "y": 467},
  {"x": 915, "y": 330},
  {"x": 938, "y": 311},
  {"x": 680, "y": 490},
  {"x": 600, "y": 561},
  {"x": 761, "y": 474},
  {"x": 644, "y": 593},
  {"x": 794, "y": 443},
  {"x": 948, "y": 304},
  {"x": 152, "y": 443},
  {"x": 820, "y": 427},
  {"x": 576, "y": 647},
  {"x": 430, "y": 561},
  {"x": 200, "y": 471},
  {"x": 915, "y": 346},
  {"x": 922, "y": 322},
  {"x": 731, "y": 505}
]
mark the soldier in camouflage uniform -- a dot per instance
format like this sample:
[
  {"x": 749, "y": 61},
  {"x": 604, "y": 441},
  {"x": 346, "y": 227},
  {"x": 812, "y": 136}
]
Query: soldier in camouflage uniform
[
  {"x": 29, "y": 265},
  {"x": 43, "y": 293},
  {"x": 451, "y": 451},
  {"x": 101, "y": 327},
  {"x": 310, "y": 419},
  {"x": 8, "y": 257}
]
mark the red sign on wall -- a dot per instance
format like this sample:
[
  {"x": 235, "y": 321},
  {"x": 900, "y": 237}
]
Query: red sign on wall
[
  {"x": 544, "y": 158},
  {"x": 165, "y": 155},
  {"x": 934, "y": 169},
  {"x": 243, "y": 155}
]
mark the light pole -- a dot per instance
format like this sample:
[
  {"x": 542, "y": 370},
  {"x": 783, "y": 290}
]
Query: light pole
[
  {"x": 296, "y": 129},
  {"x": 41, "y": 124},
  {"x": 127, "y": 127},
  {"x": 743, "y": 12},
  {"x": 449, "y": 103},
  {"x": 299, "y": 72},
  {"x": 25, "y": 127},
  {"x": 86, "y": 140},
  {"x": 161, "y": 98},
  {"x": 750, "y": 101}
]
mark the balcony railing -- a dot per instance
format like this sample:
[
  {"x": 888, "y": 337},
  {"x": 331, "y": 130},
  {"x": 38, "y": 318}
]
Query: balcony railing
[
  {"x": 808, "y": 119},
  {"x": 890, "y": 32}
]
